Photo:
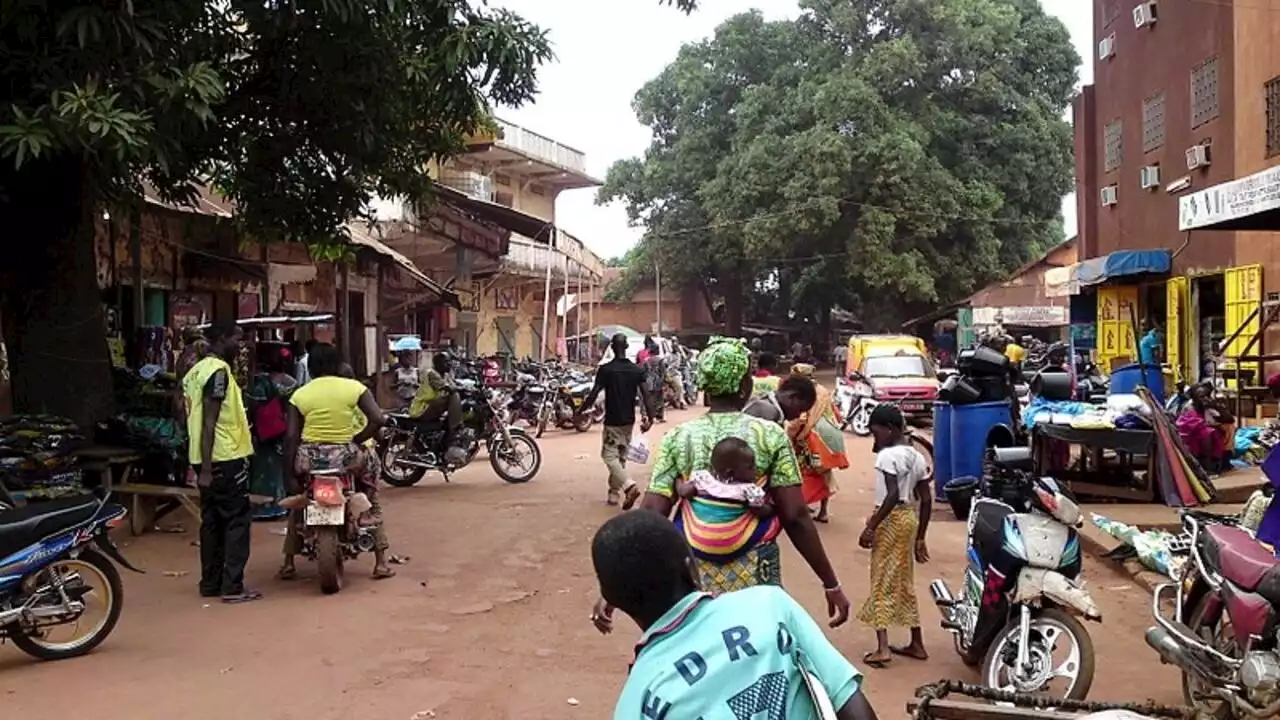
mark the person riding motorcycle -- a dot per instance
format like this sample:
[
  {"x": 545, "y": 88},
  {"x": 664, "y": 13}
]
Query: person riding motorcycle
[
  {"x": 325, "y": 431},
  {"x": 437, "y": 396}
]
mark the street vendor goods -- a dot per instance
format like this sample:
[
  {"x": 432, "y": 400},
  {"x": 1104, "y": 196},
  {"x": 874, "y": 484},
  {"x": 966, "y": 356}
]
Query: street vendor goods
[
  {"x": 60, "y": 595},
  {"x": 1229, "y": 590},
  {"x": 410, "y": 447},
  {"x": 37, "y": 455},
  {"x": 1019, "y": 608}
]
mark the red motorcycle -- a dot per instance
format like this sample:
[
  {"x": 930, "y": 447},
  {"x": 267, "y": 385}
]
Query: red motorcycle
[
  {"x": 1225, "y": 631},
  {"x": 330, "y": 530}
]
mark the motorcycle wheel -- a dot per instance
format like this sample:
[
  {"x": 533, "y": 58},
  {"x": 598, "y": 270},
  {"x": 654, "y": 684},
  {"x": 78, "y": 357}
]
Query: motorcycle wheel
[
  {"x": 1049, "y": 625},
  {"x": 393, "y": 474},
  {"x": 1207, "y": 704},
  {"x": 520, "y": 443},
  {"x": 860, "y": 422},
  {"x": 329, "y": 560},
  {"x": 89, "y": 561},
  {"x": 543, "y": 418},
  {"x": 582, "y": 423}
]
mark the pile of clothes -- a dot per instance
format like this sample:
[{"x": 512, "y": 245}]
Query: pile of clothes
[
  {"x": 37, "y": 455},
  {"x": 1253, "y": 444},
  {"x": 1124, "y": 412}
]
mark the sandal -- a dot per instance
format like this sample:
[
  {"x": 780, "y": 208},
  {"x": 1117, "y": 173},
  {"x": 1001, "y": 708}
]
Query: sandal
[
  {"x": 878, "y": 664},
  {"x": 244, "y": 597},
  {"x": 383, "y": 573},
  {"x": 287, "y": 573},
  {"x": 907, "y": 651},
  {"x": 630, "y": 495}
]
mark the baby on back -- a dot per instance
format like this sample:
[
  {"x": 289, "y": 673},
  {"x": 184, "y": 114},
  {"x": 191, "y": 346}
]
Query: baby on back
[{"x": 732, "y": 478}]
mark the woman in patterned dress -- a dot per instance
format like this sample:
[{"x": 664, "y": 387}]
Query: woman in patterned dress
[
  {"x": 723, "y": 375},
  {"x": 895, "y": 533}
]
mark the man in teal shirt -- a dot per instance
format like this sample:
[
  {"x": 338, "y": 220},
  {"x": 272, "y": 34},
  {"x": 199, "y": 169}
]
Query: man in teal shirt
[
  {"x": 1148, "y": 347},
  {"x": 731, "y": 657}
]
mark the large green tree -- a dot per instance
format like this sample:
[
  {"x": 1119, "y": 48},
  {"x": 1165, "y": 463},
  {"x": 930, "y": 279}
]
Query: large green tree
[
  {"x": 879, "y": 155},
  {"x": 298, "y": 110}
]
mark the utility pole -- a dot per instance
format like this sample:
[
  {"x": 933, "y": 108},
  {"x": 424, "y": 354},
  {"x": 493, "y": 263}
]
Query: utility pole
[{"x": 657, "y": 286}]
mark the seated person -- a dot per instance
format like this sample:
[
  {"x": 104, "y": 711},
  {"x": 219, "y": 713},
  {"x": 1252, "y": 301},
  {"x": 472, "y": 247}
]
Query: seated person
[
  {"x": 322, "y": 435},
  {"x": 732, "y": 478},
  {"x": 437, "y": 395}
]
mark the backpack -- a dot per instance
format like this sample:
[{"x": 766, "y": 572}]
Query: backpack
[{"x": 269, "y": 420}]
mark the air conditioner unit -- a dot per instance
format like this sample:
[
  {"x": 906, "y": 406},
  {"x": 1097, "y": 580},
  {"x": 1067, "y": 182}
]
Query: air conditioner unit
[
  {"x": 1150, "y": 177},
  {"x": 1107, "y": 47},
  {"x": 1144, "y": 14},
  {"x": 1198, "y": 156},
  {"x": 1110, "y": 195}
]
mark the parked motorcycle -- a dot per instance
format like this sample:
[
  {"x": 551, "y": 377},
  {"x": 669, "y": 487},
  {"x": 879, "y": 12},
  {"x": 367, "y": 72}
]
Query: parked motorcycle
[
  {"x": 55, "y": 560},
  {"x": 1225, "y": 631},
  {"x": 525, "y": 403},
  {"x": 560, "y": 408},
  {"x": 1023, "y": 545},
  {"x": 856, "y": 399},
  {"x": 331, "y": 532},
  {"x": 409, "y": 448}
]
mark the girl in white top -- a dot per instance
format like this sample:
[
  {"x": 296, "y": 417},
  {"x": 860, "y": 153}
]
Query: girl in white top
[{"x": 895, "y": 533}]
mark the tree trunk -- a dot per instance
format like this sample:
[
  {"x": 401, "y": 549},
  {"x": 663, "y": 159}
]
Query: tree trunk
[
  {"x": 50, "y": 304},
  {"x": 732, "y": 289}
]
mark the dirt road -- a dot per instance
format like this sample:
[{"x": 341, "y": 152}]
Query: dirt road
[{"x": 487, "y": 620}]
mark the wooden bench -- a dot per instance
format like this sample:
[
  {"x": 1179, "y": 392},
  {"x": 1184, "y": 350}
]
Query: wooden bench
[{"x": 149, "y": 503}]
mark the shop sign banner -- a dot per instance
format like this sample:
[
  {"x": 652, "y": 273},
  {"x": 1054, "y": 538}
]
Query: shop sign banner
[
  {"x": 1228, "y": 201},
  {"x": 1021, "y": 316}
]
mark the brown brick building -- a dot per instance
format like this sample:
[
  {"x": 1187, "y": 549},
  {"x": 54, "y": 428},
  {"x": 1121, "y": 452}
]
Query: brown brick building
[{"x": 1186, "y": 96}]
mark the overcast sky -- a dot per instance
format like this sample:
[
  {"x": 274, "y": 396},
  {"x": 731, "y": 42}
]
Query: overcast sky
[{"x": 606, "y": 50}]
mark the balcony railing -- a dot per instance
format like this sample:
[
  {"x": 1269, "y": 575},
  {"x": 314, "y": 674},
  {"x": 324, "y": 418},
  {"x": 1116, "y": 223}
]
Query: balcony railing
[
  {"x": 529, "y": 258},
  {"x": 472, "y": 184},
  {"x": 541, "y": 147}
]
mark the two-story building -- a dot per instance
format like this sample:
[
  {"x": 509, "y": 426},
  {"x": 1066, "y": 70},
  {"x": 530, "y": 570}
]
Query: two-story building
[
  {"x": 1186, "y": 96},
  {"x": 522, "y": 303}
]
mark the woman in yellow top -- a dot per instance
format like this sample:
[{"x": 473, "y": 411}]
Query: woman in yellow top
[{"x": 323, "y": 417}]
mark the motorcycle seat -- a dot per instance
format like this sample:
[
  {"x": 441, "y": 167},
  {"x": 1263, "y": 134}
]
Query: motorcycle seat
[
  {"x": 1243, "y": 561},
  {"x": 1013, "y": 458},
  {"x": 25, "y": 526}
]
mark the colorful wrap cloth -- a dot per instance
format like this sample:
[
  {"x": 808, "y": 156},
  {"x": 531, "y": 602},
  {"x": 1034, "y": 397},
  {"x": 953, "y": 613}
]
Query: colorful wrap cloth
[{"x": 721, "y": 531}]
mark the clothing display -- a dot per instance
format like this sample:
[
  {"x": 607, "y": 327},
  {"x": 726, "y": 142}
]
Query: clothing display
[{"x": 37, "y": 455}]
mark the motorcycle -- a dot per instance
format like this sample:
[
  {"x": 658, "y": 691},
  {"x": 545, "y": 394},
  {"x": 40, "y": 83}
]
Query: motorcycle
[
  {"x": 51, "y": 554},
  {"x": 331, "y": 532},
  {"x": 1223, "y": 634},
  {"x": 526, "y": 400},
  {"x": 856, "y": 399},
  {"x": 1023, "y": 548},
  {"x": 560, "y": 408},
  {"x": 409, "y": 447}
]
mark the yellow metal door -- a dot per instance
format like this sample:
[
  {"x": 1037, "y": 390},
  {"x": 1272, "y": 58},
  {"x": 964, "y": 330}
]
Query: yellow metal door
[
  {"x": 1244, "y": 296},
  {"x": 1177, "y": 298},
  {"x": 1117, "y": 307}
]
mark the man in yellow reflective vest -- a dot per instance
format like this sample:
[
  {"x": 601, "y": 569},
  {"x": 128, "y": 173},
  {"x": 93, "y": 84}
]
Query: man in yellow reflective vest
[{"x": 219, "y": 447}]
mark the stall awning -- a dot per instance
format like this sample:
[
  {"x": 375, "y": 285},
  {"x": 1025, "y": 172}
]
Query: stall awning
[
  {"x": 210, "y": 266},
  {"x": 534, "y": 228},
  {"x": 1123, "y": 263},
  {"x": 364, "y": 239}
]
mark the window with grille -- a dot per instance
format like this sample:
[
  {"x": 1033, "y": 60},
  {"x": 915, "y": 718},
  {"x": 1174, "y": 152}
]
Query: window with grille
[
  {"x": 1204, "y": 92},
  {"x": 1112, "y": 148},
  {"x": 1110, "y": 11},
  {"x": 1273, "y": 117},
  {"x": 1153, "y": 123}
]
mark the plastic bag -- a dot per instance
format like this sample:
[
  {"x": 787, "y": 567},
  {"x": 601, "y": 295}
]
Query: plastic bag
[{"x": 638, "y": 450}]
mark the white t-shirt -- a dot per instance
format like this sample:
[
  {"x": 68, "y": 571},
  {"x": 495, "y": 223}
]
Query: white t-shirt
[{"x": 904, "y": 462}]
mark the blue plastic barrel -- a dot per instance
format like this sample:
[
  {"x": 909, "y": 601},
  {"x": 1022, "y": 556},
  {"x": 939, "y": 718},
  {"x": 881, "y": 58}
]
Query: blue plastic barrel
[
  {"x": 1127, "y": 379},
  {"x": 941, "y": 448},
  {"x": 971, "y": 425}
]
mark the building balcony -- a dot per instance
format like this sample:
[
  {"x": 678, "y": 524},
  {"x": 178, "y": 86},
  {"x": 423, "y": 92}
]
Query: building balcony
[
  {"x": 526, "y": 258},
  {"x": 472, "y": 184},
  {"x": 529, "y": 157}
]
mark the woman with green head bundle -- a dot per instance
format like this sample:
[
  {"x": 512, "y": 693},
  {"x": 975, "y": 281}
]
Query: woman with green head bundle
[{"x": 748, "y": 556}]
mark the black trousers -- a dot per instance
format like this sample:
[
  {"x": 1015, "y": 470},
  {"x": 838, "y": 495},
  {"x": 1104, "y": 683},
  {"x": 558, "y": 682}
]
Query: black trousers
[{"x": 225, "y": 520}]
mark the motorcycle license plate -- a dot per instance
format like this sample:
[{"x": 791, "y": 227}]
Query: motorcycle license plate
[
  {"x": 324, "y": 515},
  {"x": 912, "y": 407}
]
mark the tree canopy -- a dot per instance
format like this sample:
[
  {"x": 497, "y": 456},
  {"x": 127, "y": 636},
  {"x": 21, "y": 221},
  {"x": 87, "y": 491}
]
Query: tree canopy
[
  {"x": 879, "y": 155},
  {"x": 298, "y": 110}
]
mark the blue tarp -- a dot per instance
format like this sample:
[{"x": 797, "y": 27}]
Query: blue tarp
[{"x": 1120, "y": 264}]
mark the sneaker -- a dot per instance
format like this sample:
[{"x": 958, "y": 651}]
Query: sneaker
[{"x": 631, "y": 493}]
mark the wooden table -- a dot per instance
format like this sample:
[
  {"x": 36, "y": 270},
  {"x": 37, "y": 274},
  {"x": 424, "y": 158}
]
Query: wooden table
[
  {"x": 1135, "y": 449},
  {"x": 114, "y": 465}
]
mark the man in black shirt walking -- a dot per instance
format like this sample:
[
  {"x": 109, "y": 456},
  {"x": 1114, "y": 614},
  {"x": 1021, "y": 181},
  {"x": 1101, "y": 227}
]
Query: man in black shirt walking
[{"x": 621, "y": 380}]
